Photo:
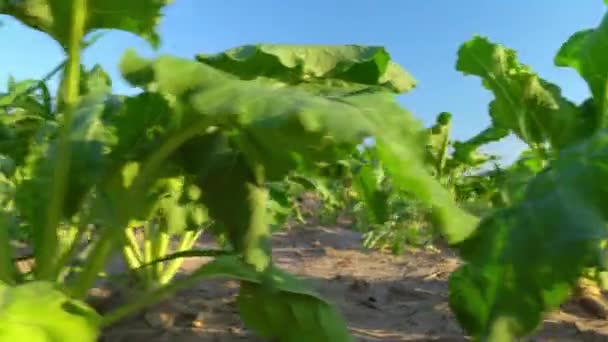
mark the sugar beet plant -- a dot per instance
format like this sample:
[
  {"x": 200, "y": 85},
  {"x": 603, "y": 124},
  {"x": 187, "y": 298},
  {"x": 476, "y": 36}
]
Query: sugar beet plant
[
  {"x": 197, "y": 145},
  {"x": 526, "y": 258},
  {"x": 392, "y": 217}
]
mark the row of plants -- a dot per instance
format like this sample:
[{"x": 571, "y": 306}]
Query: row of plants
[
  {"x": 542, "y": 219},
  {"x": 223, "y": 142},
  {"x": 87, "y": 174},
  {"x": 361, "y": 189}
]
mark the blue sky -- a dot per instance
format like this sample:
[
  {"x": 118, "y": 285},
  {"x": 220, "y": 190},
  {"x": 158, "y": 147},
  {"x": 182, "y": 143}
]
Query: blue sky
[{"x": 422, "y": 35}]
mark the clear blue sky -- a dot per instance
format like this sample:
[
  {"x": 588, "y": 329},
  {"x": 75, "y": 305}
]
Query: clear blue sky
[{"x": 421, "y": 35}]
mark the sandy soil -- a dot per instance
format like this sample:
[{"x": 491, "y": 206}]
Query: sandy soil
[{"x": 383, "y": 297}]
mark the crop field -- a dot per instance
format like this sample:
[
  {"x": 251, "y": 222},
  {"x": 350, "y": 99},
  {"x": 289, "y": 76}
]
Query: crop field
[{"x": 275, "y": 192}]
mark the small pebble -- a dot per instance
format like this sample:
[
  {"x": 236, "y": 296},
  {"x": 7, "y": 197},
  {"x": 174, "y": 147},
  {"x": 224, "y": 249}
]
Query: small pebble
[
  {"x": 198, "y": 321},
  {"x": 160, "y": 319}
]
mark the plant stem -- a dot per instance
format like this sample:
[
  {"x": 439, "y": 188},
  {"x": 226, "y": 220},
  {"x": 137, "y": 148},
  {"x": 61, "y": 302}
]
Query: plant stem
[
  {"x": 148, "y": 271},
  {"x": 132, "y": 243},
  {"x": 95, "y": 262},
  {"x": 160, "y": 244},
  {"x": 68, "y": 253},
  {"x": 256, "y": 240},
  {"x": 188, "y": 240},
  {"x": 46, "y": 248},
  {"x": 162, "y": 292},
  {"x": 130, "y": 256},
  {"x": 152, "y": 297},
  {"x": 7, "y": 268},
  {"x": 133, "y": 256}
]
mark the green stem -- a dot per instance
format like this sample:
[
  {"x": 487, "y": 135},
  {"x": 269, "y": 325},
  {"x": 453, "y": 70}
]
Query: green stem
[
  {"x": 161, "y": 293},
  {"x": 67, "y": 238},
  {"x": 256, "y": 240},
  {"x": 7, "y": 268},
  {"x": 148, "y": 256},
  {"x": 160, "y": 244},
  {"x": 46, "y": 248},
  {"x": 188, "y": 240},
  {"x": 152, "y": 297},
  {"x": 132, "y": 243},
  {"x": 130, "y": 258},
  {"x": 95, "y": 262},
  {"x": 59, "y": 271},
  {"x": 443, "y": 152},
  {"x": 149, "y": 167},
  {"x": 133, "y": 256}
]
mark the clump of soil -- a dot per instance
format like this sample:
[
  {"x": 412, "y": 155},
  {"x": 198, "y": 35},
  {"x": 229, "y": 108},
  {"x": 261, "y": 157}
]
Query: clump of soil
[{"x": 383, "y": 297}]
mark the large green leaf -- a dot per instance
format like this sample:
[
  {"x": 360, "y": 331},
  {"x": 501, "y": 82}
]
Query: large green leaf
[
  {"x": 523, "y": 260},
  {"x": 54, "y": 16},
  {"x": 586, "y": 51},
  {"x": 283, "y": 308},
  {"x": 234, "y": 197},
  {"x": 137, "y": 123},
  {"x": 282, "y": 129},
  {"x": 39, "y": 312},
  {"x": 274, "y": 125},
  {"x": 525, "y": 104},
  {"x": 353, "y": 67}
]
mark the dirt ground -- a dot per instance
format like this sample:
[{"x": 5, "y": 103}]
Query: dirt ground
[{"x": 383, "y": 297}]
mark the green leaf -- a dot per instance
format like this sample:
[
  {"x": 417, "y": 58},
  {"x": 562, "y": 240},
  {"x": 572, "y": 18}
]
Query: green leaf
[
  {"x": 516, "y": 267},
  {"x": 518, "y": 176},
  {"x": 368, "y": 185},
  {"x": 283, "y": 308},
  {"x": 287, "y": 128},
  {"x": 176, "y": 210},
  {"x": 88, "y": 140},
  {"x": 352, "y": 67},
  {"x": 235, "y": 198},
  {"x": 7, "y": 165},
  {"x": 139, "y": 17},
  {"x": 397, "y": 149},
  {"x": 39, "y": 312},
  {"x": 29, "y": 96},
  {"x": 25, "y": 112},
  {"x": 438, "y": 142},
  {"x": 274, "y": 125},
  {"x": 466, "y": 152},
  {"x": 280, "y": 203},
  {"x": 525, "y": 104},
  {"x": 138, "y": 123},
  {"x": 17, "y": 133},
  {"x": 585, "y": 52}
]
